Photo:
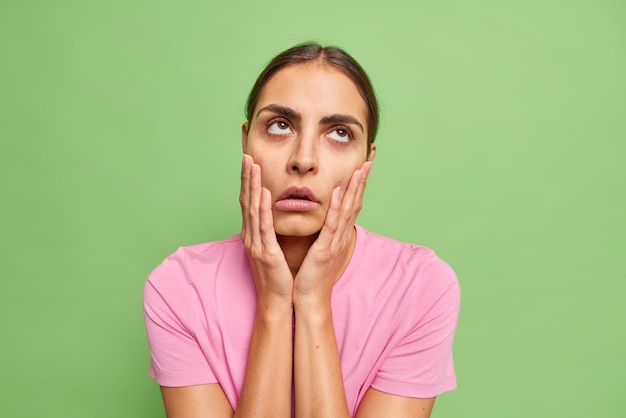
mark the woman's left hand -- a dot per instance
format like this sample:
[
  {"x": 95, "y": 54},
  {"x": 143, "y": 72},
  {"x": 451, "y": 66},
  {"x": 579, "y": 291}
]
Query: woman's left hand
[{"x": 331, "y": 251}]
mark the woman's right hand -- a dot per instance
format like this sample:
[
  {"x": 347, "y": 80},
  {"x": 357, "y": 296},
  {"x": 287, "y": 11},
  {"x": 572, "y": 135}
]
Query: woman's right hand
[{"x": 272, "y": 277}]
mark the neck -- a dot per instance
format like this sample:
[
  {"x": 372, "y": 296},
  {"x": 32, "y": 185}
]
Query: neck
[{"x": 296, "y": 248}]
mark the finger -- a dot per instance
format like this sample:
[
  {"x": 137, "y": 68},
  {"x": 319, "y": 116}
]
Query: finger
[
  {"x": 254, "y": 203},
  {"x": 352, "y": 191},
  {"x": 354, "y": 202},
  {"x": 347, "y": 211},
  {"x": 244, "y": 192},
  {"x": 266, "y": 219},
  {"x": 343, "y": 211},
  {"x": 339, "y": 211},
  {"x": 351, "y": 204},
  {"x": 331, "y": 222},
  {"x": 358, "y": 201}
]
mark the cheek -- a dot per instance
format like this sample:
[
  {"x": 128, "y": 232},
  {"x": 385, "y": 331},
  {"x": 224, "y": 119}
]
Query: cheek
[
  {"x": 268, "y": 167},
  {"x": 258, "y": 154},
  {"x": 343, "y": 178},
  {"x": 344, "y": 169}
]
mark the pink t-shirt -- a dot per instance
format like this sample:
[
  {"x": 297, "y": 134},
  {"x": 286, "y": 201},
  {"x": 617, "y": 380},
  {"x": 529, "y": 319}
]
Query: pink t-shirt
[{"x": 395, "y": 311}]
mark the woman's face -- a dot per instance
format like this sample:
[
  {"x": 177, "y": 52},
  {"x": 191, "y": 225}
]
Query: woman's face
[{"x": 309, "y": 134}]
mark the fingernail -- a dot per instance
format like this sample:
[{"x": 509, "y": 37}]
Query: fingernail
[
  {"x": 253, "y": 171},
  {"x": 336, "y": 191},
  {"x": 246, "y": 160},
  {"x": 359, "y": 174},
  {"x": 368, "y": 167}
]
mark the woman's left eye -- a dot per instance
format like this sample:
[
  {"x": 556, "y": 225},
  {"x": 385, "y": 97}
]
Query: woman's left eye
[{"x": 341, "y": 134}]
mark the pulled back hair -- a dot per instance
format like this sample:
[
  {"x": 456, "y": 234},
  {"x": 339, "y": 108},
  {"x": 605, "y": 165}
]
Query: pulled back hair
[{"x": 336, "y": 57}]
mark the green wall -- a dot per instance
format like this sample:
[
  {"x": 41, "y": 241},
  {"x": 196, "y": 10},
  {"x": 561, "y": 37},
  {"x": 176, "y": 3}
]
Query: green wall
[{"x": 502, "y": 147}]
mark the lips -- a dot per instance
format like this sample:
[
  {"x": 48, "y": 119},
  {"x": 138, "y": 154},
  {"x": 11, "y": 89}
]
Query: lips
[
  {"x": 299, "y": 193},
  {"x": 297, "y": 199}
]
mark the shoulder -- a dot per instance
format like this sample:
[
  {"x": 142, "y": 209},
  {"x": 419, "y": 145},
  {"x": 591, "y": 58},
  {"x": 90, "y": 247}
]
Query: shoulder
[
  {"x": 188, "y": 263},
  {"x": 409, "y": 277},
  {"x": 417, "y": 263}
]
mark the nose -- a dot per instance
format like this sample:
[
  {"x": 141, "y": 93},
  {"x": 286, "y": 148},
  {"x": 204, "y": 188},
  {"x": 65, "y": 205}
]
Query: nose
[{"x": 304, "y": 158}]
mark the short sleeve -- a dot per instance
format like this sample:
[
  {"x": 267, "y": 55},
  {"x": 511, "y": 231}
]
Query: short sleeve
[
  {"x": 176, "y": 357},
  {"x": 421, "y": 365}
]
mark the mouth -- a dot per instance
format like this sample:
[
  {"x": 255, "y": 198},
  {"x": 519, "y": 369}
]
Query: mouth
[
  {"x": 297, "y": 199},
  {"x": 298, "y": 193}
]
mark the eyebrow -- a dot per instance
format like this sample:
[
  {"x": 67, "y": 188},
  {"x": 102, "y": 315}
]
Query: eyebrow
[
  {"x": 281, "y": 110},
  {"x": 292, "y": 114}
]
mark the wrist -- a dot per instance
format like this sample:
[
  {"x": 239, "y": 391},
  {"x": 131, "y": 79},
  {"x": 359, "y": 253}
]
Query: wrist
[
  {"x": 273, "y": 308},
  {"x": 315, "y": 308}
]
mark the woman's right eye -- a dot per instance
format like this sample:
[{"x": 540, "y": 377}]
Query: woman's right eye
[{"x": 279, "y": 127}]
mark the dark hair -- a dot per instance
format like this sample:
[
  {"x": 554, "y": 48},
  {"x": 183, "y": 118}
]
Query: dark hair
[{"x": 338, "y": 58}]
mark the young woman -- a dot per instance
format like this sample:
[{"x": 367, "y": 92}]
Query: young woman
[{"x": 304, "y": 313}]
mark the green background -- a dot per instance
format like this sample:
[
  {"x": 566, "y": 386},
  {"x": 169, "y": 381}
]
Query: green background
[{"x": 502, "y": 147}]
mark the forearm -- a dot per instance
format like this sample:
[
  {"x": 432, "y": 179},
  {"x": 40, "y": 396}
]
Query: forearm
[
  {"x": 267, "y": 386},
  {"x": 319, "y": 385}
]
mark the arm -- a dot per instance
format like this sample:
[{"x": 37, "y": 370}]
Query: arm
[
  {"x": 377, "y": 404},
  {"x": 197, "y": 401},
  {"x": 318, "y": 379},
  {"x": 266, "y": 390},
  {"x": 271, "y": 346},
  {"x": 269, "y": 360},
  {"x": 267, "y": 387}
]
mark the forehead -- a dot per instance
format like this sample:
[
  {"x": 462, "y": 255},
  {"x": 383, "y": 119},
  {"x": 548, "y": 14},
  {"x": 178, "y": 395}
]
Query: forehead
[{"x": 315, "y": 89}]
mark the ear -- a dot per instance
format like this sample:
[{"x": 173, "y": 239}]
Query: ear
[
  {"x": 372, "y": 152},
  {"x": 244, "y": 137}
]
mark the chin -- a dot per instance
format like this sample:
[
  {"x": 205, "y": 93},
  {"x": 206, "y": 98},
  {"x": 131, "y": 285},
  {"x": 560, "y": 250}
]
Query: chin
[{"x": 296, "y": 227}]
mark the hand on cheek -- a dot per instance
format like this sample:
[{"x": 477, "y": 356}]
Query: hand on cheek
[
  {"x": 273, "y": 279},
  {"x": 327, "y": 257}
]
